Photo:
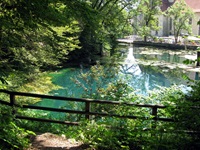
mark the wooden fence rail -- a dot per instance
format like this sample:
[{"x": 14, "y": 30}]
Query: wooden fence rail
[{"x": 87, "y": 110}]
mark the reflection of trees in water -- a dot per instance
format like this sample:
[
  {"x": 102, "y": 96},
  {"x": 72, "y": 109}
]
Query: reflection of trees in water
[
  {"x": 176, "y": 58},
  {"x": 145, "y": 78},
  {"x": 157, "y": 55},
  {"x": 197, "y": 76},
  {"x": 130, "y": 69},
  {"x": 166, "y": 57},
  {"x": 171, "y": 58},
  {"x": 155, "y": 77},
  {"x": 142, "y": 77}
]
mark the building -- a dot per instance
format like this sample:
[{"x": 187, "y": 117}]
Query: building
[
  {"x": 195, "y": 5},
  {"x": 166, "y": 23}
]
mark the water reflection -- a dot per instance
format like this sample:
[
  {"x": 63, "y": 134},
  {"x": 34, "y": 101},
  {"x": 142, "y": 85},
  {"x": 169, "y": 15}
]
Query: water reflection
[
  {"x": 142, "y": 78},
  {"x": 130, "y": 66},
  {"x": 163, "y": 55},
  {"x": 146, "y": 77}
]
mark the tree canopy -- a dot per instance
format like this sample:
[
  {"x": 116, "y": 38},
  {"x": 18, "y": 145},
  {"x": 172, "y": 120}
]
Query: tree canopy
[
  {"x": 41, "y": 34},
  {"x": 102, "y": 21},
  {"x": 28, "y": 39},
  {"x": 145, "y": 16}
]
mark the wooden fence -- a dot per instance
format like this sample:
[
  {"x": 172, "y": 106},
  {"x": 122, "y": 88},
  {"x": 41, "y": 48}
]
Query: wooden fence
[{"x": 86, "y": 112}]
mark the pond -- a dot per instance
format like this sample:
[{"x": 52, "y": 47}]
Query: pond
[
  {"x": 142, "y": 68},
  {"x": 152, "y": 68}
]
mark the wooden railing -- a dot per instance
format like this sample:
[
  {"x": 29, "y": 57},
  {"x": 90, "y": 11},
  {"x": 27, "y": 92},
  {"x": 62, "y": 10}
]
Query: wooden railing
[{"x": 86, "y": 112}]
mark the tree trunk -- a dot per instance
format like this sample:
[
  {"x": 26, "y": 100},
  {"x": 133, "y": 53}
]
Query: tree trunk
[
  {"x": 1, "y": 32},
  {"x": 198, "y": 58},
  {"x": 176, "y": 39}
]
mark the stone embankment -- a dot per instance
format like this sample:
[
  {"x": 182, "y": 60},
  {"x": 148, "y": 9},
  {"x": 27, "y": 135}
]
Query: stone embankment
[
  {"x": 166, "y": 45},
  {"x": 164, "y": 42}
]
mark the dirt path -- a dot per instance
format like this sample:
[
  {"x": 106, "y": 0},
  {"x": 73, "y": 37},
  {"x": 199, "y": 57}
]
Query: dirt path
[{"x": 49, "y": 141}]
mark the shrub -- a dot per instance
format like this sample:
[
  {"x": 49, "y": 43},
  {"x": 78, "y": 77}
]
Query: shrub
[{"x": 11, "y": 135}]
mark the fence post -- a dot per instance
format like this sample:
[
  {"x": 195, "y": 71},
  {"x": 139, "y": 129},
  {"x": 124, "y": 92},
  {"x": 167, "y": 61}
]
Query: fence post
[
  {"x": 87, "y": 110},
  {"x": 155, "y": 113},
  {"x": 12, "y": 102}
]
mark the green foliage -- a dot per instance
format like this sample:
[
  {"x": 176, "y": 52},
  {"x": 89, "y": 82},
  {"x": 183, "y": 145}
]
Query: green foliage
[
  {"x": 40, "y": 127},
  {"x": 39, "y": 35},
  {"x": 141, "y": 133},
  {"x": 33, "y": 37},
  {"x": 186, "y": 114},
  {"x": 12, "y": 136},
  {"x": 180, "y": 13},
  {"x": 111, "y": 134},
  {"x": 101, "y": 23},
  {"x": 114, "y": 133},
  {"x": 96, "y": 79},
  {"x": 188, "y": 61}
]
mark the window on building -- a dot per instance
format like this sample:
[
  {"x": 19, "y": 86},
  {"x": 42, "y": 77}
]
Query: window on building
[
  {"x": 170, "y": 26},
  {"x": 190, "y": 21}
]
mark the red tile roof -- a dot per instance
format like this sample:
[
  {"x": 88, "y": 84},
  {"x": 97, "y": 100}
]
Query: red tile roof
[{"x": 194, "y": 4}]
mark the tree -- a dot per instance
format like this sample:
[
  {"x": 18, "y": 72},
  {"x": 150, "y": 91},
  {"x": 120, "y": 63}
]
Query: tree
[
  {"x": 32, "y": 36},
  {"x": 101, "y": 22},
  {"x": 145, "y": 17},
  {"x": 40, "y": 34},
  {"x": 180, "y": 13}
]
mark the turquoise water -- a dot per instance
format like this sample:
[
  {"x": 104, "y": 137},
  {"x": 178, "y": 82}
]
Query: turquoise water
[
  {"x": 149, "y": 68},
  {"x": 134, "y": 70}
]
